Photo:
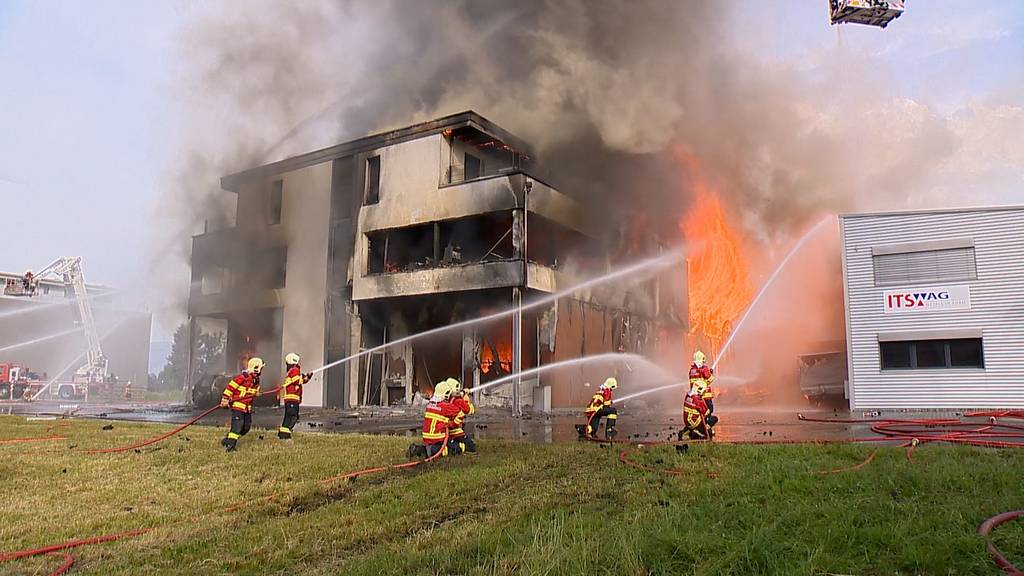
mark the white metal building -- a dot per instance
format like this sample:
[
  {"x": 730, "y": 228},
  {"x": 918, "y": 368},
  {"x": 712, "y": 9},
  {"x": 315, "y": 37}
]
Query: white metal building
[{"x": 935, "y": 308}]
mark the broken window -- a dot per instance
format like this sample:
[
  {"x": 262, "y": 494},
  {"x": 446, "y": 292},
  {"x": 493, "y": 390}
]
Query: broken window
[
  {"x": 549, "y": 243},
  {"x": 473, "y": 167},
  {"x": 276, "y": 201},
  {"x": 468, "y": 154},
  {"x": 476, "y": 239},
  {"x": 372, "y": 195}
]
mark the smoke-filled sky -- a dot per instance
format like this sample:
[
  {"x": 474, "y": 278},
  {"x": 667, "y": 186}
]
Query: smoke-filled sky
[{"x": 117, "y": 117}]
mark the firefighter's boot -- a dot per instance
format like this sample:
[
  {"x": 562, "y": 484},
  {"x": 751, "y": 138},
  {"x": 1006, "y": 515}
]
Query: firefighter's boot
[
  {"x": 609, "y": 427},
  {"x": 581, "y": 429}
]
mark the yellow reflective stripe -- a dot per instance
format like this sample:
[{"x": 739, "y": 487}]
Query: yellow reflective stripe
[
  {"x": 233, "y": 436},
  {"x": 284, "y": 429},
  {"x": 294, "y": 397},
  {"x": 472, "y": 408},
  {"x": 436, "y": 417},
  {"x": 433, "y": 435}
]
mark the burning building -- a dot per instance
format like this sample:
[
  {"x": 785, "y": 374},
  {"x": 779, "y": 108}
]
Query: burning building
[{"x": 347, "y": 248}]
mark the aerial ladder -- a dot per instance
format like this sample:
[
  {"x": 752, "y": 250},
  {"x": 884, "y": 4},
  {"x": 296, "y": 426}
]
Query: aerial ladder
[
  {"x": 69, "y": 271},
  {"x": 869, "y": 12}
]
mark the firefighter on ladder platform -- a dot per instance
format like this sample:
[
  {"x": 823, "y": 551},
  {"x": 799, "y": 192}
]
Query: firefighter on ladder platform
[
  {"x": 699, "y": 405},
  {"x": 460, "y": 398},
  {"x": 291, "y": 394},
  {"x": 437, "y": 423},
  {"x": 238, "y": 396},
  {"x": 600, "y": 407}
]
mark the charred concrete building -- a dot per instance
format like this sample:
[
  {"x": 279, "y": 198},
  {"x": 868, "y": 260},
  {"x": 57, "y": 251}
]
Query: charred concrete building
[{"x": 343, "y": 249}]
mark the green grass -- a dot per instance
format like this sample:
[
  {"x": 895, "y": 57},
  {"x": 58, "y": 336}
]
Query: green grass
[{"x": 515, "y": 508}]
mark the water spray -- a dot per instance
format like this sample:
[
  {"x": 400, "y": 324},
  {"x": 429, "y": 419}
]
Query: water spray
[
  {"x": 40, "y": 339},
  {"x": 77, "y": 359},
  {"x": 753, "y": 304},
  {"x": 670, "y": 257},
  {"x": 608, "y": 357},
  {"x": 765, "y": 287}
]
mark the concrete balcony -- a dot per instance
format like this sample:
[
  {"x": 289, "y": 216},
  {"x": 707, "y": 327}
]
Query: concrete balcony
[{"x": 439, "y": 280}]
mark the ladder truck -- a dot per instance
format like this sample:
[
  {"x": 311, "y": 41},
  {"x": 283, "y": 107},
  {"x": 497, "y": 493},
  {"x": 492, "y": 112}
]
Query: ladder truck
[{"x": 95, "y": 369}]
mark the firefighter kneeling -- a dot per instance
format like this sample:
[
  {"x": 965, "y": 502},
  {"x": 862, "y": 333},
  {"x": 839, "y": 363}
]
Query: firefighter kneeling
[
  {"x": 238, "y": 396},
  {"x": 291, "y": 393},
  {"x": 460, "y": 398},
  {"x": 600, "y": 407},
  {"x": 437, "y": 423}
]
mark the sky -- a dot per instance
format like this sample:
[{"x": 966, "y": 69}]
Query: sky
[{"x": 91, "y": 99}]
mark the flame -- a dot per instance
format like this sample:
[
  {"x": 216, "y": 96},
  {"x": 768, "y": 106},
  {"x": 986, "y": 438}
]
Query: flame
[
  {"x": 504, "y": 356},
  {"x": 718, "y": 277}
]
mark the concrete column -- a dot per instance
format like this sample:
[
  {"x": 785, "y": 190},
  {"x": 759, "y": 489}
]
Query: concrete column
[{"x": 517, "y": 350}]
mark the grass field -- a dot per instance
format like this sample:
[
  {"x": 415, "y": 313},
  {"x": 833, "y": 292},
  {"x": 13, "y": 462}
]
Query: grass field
[{"x": 515, "y": 508}]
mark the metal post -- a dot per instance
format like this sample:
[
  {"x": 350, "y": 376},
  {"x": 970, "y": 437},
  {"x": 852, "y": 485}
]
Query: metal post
[
  {"x": 188, "y": 362},
  {"x": 517, "y": 350}
]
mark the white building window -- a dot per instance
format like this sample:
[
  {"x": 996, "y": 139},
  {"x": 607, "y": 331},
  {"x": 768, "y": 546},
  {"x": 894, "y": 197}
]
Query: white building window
[{"x": 917, "y": 264}]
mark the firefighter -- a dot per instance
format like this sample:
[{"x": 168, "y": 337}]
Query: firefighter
[
  {"x": 238, "y": 396},
  {"x": 291, "y": 394},
  {"x": 437, "y": 419},
  {"x": 701, "y": 377},
  {"x": 696, "y": 423},
  {"x": 460, "y": 398},
  {"x": 600, "y": 407}
]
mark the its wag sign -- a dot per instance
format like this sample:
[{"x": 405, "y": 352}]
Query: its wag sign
[{"x": 926, "y": 299}]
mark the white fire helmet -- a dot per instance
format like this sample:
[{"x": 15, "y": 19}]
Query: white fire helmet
[
  {"x": 698, "y": 358},
  {"x": 255, "y": 365},
  {"x": 610, "y": 384},
  {"x": 454, "y": 386},
  {"x": 291, "y": 359},
  {"x": 442, "y": 391}
]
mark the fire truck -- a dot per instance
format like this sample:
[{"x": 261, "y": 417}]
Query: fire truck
[{"x": 94, "y": 371}]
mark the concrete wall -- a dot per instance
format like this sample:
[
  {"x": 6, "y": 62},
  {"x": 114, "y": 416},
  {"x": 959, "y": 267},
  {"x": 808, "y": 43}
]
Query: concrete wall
[{"x": 305, "y": 220}]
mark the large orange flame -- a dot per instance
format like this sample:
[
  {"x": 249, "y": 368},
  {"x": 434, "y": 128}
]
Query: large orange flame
[{"x": 717, "y": 275}]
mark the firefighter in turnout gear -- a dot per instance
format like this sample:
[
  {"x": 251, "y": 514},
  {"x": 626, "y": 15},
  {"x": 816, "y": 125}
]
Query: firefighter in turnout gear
[
  {"x": 460, "y": 398},
  {"x": 238, "y": 396},
  {"x": 698, "y": 406},
  {"x": 600, "y": 407},
  {"x": 701, "y": 377},
  {"x": 437, "y": 423},
  {"x": 291, "y": 394}
]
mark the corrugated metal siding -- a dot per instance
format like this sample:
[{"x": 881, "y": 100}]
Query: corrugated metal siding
[{"x": 997, "y": 308}]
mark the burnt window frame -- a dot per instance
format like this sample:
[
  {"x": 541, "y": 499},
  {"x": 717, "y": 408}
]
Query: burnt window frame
[
  {"x": 479, "y": 164},
  {"x": 912, "y": 351},
  {"x": 275, "y": 202},
  {"x": 371, "y": 180}
]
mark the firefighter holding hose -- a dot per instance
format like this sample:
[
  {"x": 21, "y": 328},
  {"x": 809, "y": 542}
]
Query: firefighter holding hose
[
  {"x": 437, "y": 424},
  {"x": 238, "y": 396},
  {"x": 291, "y": 394},
  {"x": 460, "y": 398},
  {"x": 698, "y": 406},
  {"x": 600, "y": 407}
]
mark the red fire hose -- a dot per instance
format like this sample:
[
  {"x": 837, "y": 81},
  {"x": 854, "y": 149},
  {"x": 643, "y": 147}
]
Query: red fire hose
[
  {"x": 986, "y": 528},
  {"x": 167, "y": 435},
  {"x": 37, "y": 439}
]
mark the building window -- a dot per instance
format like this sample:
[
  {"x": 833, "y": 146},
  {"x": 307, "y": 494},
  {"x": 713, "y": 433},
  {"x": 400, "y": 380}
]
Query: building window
[
  {"x": 915, "y": 354},
  {"x": 951, "y": 265},
  {"x": 276, "y": 201},
  {"x": 372, "y": 180},
  {"x": 474, "y": 167}
]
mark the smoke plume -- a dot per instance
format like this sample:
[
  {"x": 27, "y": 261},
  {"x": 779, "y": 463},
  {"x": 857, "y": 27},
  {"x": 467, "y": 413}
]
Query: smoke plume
[{"x": 609, "y": 93}]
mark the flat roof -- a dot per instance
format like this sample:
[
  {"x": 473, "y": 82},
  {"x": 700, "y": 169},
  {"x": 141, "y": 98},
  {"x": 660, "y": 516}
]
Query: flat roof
[
  {"x": 468, "y": 118},
  {"x": 1009, "y": 207}
]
